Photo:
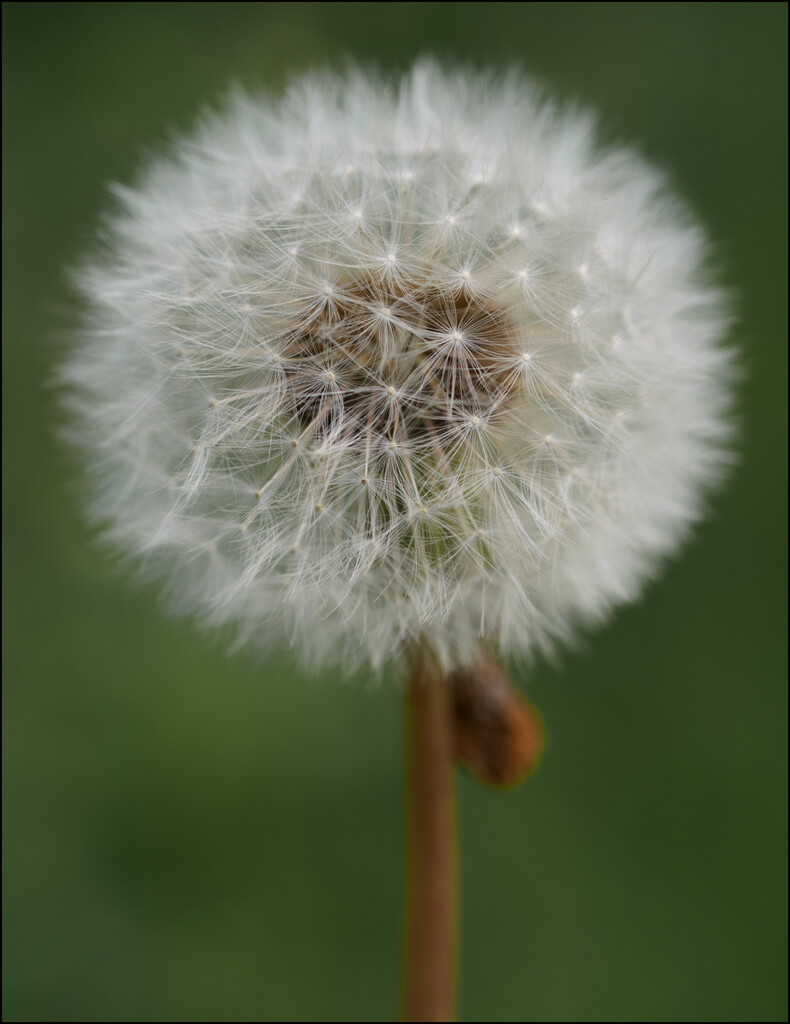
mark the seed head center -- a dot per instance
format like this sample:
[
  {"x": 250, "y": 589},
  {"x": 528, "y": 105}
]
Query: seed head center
[{"x": 439, "y": 388}]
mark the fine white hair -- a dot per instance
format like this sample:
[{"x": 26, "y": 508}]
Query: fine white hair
[{"x": 377, "y": 363}]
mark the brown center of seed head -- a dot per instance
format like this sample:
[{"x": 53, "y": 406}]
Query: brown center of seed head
[{"x": 400, "y": 363}]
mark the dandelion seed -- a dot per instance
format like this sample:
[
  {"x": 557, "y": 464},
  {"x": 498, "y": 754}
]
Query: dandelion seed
[{"x": 423, "y": 363}]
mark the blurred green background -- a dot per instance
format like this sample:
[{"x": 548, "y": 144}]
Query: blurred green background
[{"x": 190, "y": 837}]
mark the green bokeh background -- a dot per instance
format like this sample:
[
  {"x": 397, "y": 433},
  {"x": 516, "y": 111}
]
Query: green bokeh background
[{"x": 190, "y": 837}]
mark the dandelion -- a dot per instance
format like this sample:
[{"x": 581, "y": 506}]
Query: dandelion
[{"x": 379, "y": 370}]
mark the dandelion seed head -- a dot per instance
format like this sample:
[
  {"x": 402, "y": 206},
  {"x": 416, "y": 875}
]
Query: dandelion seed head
[{"x": 306, "y": 472}]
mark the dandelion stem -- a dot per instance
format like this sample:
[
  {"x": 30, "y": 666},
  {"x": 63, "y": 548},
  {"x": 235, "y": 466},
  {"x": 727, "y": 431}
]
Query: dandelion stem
[{"x": 431, "y": 850}]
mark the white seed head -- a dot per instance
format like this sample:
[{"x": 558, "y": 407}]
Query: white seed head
[{"x": 214, "y": 439}]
